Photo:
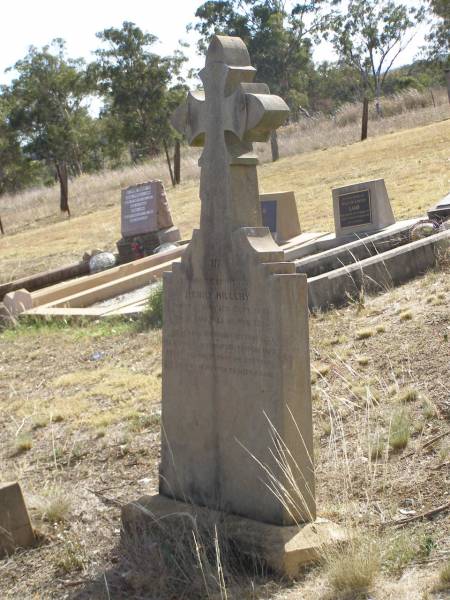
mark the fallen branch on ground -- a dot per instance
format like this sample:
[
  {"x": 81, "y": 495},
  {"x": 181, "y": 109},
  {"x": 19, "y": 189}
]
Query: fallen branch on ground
[
  {"x": 425, "y": 515},
  {"x": 105, "y": 499},
  {"x": 426, "y": 444}
]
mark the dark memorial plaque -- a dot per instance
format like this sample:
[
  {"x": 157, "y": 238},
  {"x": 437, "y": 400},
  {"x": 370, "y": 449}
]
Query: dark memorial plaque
[
  {"x": 355, "y": 209},
  {"x": 269, "y": 214},
  {"x": 140, "y": 209}
]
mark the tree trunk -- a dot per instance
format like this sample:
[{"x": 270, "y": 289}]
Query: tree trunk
[
  {"x": 274, "y": 145},
  {"x": 177, "y": 162},
  {"x": 377, "y": 100},
  {"x": 365, "y": 118},
  {"x": 432, "y": 98},
  {"x": 169, "y": 163},
  {"x": 447, "y": 78},
  {"x": 61, "y": 171}
]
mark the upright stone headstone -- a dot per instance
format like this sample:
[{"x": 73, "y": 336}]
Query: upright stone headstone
[
  {"x": 146, "y": 221},
  {"x": 361, "y": 207},
  {"x": 236, "y": 368},
  {"x": 280, "y": 215},
  {"x": 140, "y": 208}
]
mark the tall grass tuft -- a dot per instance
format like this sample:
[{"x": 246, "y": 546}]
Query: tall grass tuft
[
  {"x": 351, "y": 570},
  {"x": 177, "y": 557},
  {"x": 152, "y": 317}
]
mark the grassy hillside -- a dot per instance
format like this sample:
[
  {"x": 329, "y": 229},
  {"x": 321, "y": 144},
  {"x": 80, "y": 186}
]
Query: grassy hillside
[
  {"x": 413, "y": 162},
  {"x": 80, "y": 408},
  {"x": 79, "y": 426}
]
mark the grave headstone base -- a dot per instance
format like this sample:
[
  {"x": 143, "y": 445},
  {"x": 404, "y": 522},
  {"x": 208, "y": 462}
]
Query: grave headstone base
[
  {"x": 138, "y": 246},
  {"x": 284, "y": 549}
]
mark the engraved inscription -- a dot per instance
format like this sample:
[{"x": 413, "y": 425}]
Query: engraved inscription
[
  {"x": 228, "y": 337},
  {"x": 355, "y": 209},
  {"x": 139, "y": 209}
]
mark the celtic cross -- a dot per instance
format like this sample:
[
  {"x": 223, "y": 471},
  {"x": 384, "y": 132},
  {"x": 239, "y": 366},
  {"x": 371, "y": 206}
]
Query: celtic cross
[{"x": 226, "y": 118}]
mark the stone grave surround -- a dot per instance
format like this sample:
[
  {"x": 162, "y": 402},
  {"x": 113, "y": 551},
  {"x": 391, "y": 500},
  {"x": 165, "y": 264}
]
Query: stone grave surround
[
  {"x": 235, "y": 337},
  {"x": 146, "y": 221}
]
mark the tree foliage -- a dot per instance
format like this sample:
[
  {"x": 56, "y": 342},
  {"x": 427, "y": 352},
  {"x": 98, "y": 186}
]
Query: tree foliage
[
  {"x": 16, "y": 171},
  {"x": 46, "y": 126},
  {"x": 278, "y": 38},
  {"x": 47, "y": 109},
  {"x": 439, "y": 36},
  {"x": 137, "y": 87},
  {"x": 370, "y": 35}
]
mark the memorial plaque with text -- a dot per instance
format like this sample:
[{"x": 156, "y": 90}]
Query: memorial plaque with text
[
  {"x": 355, "y": 209},
  {"x": 140, "y": 208}
]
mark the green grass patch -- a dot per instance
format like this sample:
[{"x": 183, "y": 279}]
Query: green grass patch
[
  {"x": 364, "y": 334},
  {"x": 405, "y": 548},
  {"x": 75, "y": 328},
  {"x": 400, "y": 431},
  {"x": 152, "y": 317}
]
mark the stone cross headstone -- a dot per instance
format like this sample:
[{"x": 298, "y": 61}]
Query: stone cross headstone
[
  {"x": 361, "y": 207},
  {"x": 235, "y": 334}
]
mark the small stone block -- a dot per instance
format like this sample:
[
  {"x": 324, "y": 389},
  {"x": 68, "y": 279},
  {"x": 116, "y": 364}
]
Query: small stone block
[
  {"x": 15, "y": 525},
  {"x": 169, "y": 235},
  {"x": 284, "y": 549}
]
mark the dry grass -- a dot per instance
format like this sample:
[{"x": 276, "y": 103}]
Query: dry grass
[
  {"x": 363, "y": 334},
  {"x": 108, "y": 442},
  {"x": 54, "y": 506},
  {"x": 408, "y": 394},
  {"x": 412, "y": 161},
  {"x": 181, "y": 558},
  {"x": 90, "y": 404},
  {"x": 443, "y": 584},
  {"x": 400, "y": 430},
  {"x": 351, "y": 570}
]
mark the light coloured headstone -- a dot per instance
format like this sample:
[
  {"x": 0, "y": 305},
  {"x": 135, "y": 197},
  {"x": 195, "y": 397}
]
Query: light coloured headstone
[
  {"x": 361, "y": 207},
  {"x": 235, "y": 334},
  {"x": 15, "y": 525},
  {"x": 236, "y": 370},
  {"x": 280, "y": 215}
]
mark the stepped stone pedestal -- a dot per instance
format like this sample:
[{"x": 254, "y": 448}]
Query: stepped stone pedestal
[{"x": 237, "y": 438}]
